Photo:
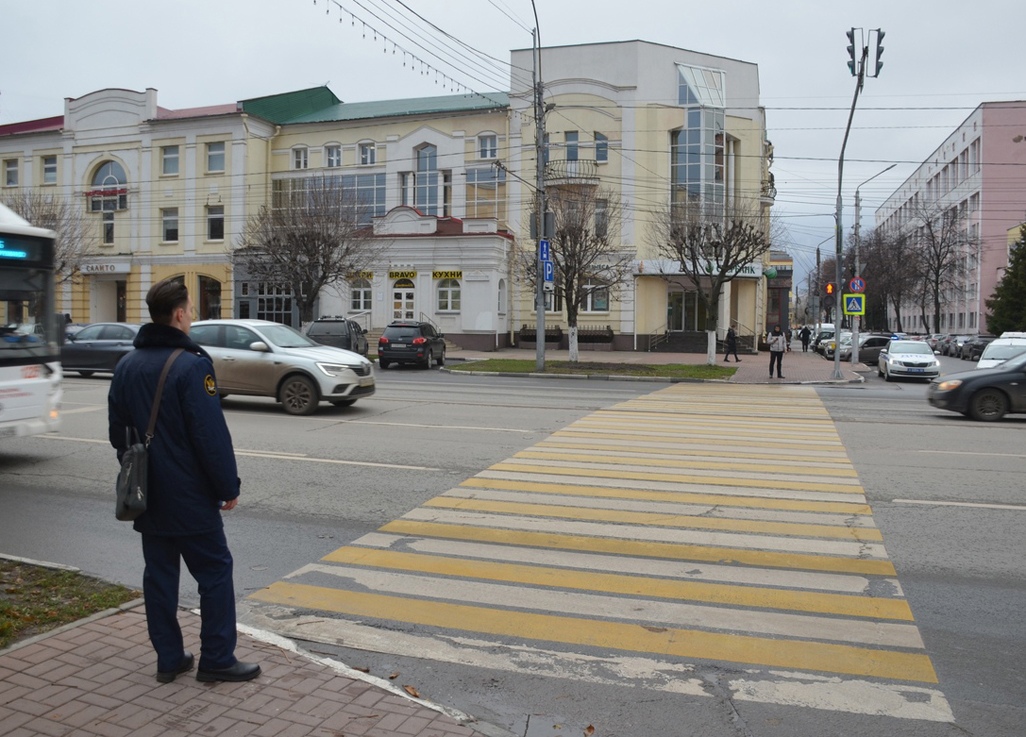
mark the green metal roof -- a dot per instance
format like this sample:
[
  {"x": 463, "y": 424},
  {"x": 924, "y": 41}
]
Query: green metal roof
[
  {"x": 282, "y": 107},
  {"x": 413, "y": 106}
]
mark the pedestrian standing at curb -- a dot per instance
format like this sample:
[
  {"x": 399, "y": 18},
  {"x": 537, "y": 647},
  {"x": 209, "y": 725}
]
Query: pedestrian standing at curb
[
  {"x": 192, "y": 479},
  {"x": 731, "y": 346},
  {"x": 777, "y": 345},
  {"x": 806, "y": 335}
]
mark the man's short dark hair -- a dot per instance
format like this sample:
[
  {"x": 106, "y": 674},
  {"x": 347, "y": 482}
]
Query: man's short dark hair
[{"x": 165, "y": 297}]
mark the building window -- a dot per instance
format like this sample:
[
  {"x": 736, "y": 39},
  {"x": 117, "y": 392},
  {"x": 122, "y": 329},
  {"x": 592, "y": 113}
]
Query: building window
[
  {"x": 169, "y": 161},
  {"x": 487, "y": 146},
  {"x": 215, "y": 222},
  {"x": 274, "y": 303},
  {"x": 333, "y": 156},
  {"x": 108, "y": 228},
  {"x": 425, "y": 196},
  {"x": 570, "y": 149},
  {"x": 553, "y": 302},
  {"x": 10, "y": 172},
  {"x": 49, "y": 170},
  {"x": 596, "y": 299},
  {"x": 449, "y": 295},
  {"x": 502, "y": 297},
  {"x": 369, "y": 190},
  {"x": 169, "y": 221},
  {"x": 486, "y": 193},
  {"x": 360, "y": 295},
  {"x": 601, "y": 218},
  {"x": 368, "y": 154},
  {"x": 215, "y": 157},
  {"x": 209, "y": 307},
  {"x": 697, "y": 149},
  {"x": 601, "y": 147},
  {"x": 300, "y": 157}
]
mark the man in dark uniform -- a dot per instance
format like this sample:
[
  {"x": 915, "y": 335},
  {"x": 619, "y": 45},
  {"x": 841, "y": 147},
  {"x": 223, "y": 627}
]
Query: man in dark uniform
[{"x": 192, "y": 477}]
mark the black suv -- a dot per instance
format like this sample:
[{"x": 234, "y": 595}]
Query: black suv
[
  {"x": 406, "y": 341},
  {"x": 340, "y": 333}
]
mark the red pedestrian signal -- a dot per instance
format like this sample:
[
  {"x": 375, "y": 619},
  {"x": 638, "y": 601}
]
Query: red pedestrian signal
[{"x": 830, "y": 289}]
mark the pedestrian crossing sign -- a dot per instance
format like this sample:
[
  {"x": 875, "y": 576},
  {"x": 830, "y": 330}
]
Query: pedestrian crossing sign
[{"x": 854, "y": 304}]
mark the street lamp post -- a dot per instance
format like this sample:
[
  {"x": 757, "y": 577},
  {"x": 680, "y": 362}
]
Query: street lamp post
[{"x": 858, "y": 243}]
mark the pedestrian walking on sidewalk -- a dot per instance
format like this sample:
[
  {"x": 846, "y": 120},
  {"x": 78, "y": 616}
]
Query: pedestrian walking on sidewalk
[
  {"x": 777, "y": 345},
  {"x": 806, "y": 335},
  {"x": 192, "y": 479},
  {"x": 731, "y": 346}
]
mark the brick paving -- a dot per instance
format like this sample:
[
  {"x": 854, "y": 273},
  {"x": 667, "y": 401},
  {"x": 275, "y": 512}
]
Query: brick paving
[{"x": 97, "y": 676}]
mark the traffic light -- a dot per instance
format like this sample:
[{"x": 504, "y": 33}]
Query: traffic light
[
  {"x": 851, "y": 52},
  {"x": 879, "y": 51},
  {"x": 830, "y": 289}
]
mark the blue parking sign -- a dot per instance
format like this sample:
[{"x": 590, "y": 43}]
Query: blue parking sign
[{"x": 550, "y": 271}]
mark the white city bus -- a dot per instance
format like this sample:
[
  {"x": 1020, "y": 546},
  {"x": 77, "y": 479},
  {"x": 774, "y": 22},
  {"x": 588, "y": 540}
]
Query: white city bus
[{"x": 30, "y": 330}]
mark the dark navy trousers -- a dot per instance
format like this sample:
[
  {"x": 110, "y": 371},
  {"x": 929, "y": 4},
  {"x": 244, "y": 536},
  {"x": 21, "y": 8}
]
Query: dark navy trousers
[{"x": 210, "y": 562}]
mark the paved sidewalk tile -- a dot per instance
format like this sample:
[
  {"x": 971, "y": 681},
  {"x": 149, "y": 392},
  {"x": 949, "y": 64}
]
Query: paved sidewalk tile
[{"x": 97, "y": 678}]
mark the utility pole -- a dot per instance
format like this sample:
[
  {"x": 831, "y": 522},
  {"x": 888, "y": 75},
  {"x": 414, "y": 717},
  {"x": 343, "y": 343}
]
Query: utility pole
[
  {"x": 856, "y": 324},
  {"x": 540, "y": 201},
  {"x": 857, "y": 67}
]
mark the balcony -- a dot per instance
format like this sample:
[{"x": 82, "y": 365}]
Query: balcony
[{"x": 571, "y": 173}]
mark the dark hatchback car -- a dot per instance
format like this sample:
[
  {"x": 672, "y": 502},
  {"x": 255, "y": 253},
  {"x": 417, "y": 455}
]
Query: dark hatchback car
[
  {"x": 406, "y": 341},
  {"x": 339, "y": 332},
  {"x": 973, "y": 348},
  {"x": 983, "y": 394},
  {"x": 97, "y": 347}
]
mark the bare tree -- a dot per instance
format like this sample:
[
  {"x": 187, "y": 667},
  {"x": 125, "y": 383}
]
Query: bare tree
[
  {"x": 63, "y": 216},
  {"x": 941, "y": 240},
  {"x": 713, "y": 244},
  {"x": 314, "y": 234},
  {"x": 588, "y": 265},
  {"x": 892, "y": 268}
]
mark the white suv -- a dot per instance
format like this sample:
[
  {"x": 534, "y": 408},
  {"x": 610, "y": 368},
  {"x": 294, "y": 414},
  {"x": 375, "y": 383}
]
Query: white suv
[{"x": 266, "y": 359}]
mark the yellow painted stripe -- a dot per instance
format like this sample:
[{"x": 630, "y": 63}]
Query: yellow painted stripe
[
  {"x": 653, "y": 430},
  {"x": 683, "y": 478},
  {"x": 659, "y": 519},
  {"x": 697, "y": 434},
  {"x": 725, "y": 465},
  {"x": 613, "y": 583},
  {"x": 684, "y": 422},
  {"x": 644, "y": 447},
  {"x": 684, "y": 643},
  {"x": 641, "y": 549},
  {"x": 756, "y": 502}
]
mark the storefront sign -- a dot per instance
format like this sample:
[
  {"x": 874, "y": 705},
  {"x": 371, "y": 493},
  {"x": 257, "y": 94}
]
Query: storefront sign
[
  {"x": 447, "y": 274},
  {"x": 402, "y": 275},
  {"x": 106, "y": 268}
]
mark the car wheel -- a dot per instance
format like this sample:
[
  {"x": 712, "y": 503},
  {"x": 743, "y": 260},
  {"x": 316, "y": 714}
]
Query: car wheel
[
  {"x": 879, "y": 371},
  {"x": 298, "y": 395},
  {"x": 383, "y": 363},
  {"x": 343, "y": 402},
  {"x": 988, "y": 405},
  {"x": 887, "y": 374},
  {"x": 86, "y": 374},
  {"x": 428, "y": 360},
  {"x": 441, "y": 358}
]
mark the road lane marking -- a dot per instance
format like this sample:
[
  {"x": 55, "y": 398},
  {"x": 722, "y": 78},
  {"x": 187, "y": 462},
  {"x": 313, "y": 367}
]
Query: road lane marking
[
  {"x": 978, "y": 505},
  {"x": 637, "y": 585},
  {"x": 682, "y": 497},
  {"x": 686, "y": 643},
  {"x": 684, "y": 570},
  {"x": 611, "y": 543}
]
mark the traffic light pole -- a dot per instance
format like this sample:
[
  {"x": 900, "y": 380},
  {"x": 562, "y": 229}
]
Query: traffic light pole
[{"x": 859, "y": 71}]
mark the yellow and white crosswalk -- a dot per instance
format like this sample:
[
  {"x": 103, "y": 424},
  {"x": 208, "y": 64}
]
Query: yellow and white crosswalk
[{"x": 697, "y": 523}]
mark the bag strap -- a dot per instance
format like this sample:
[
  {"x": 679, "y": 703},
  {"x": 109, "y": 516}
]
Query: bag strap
[{"x": 160, "y": 391}]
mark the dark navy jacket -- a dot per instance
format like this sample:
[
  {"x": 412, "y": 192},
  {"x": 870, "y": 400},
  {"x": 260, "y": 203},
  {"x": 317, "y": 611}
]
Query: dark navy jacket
[{"x": 191, "y": 461}]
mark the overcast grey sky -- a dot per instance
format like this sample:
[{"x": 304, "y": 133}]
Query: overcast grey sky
[{"x": 942, "y": 59}]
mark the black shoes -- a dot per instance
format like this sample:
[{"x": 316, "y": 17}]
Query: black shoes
[
  {"x": 238, "y": 672},
  {"x": 166, "y": 676}
]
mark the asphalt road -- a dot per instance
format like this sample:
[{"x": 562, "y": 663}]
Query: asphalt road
[{"x": 946, "y": 493}]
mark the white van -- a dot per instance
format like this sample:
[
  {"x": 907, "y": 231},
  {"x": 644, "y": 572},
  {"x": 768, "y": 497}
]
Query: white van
[{"x": 1001, "y": 349}]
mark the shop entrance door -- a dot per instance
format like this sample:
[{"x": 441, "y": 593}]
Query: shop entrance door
[{"x": 403, "y": 294}]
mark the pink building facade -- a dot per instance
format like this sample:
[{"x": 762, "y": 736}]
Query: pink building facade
[{"x": 978, "y": 172}]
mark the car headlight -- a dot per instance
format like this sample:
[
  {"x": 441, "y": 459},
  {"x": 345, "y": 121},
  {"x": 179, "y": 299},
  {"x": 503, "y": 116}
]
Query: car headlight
[
  {"x": 334, "y": 369},
  {"x": 949, "y": 384}
]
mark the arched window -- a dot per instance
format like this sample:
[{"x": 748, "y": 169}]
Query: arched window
[
  {"x": 449, "y": 295},
  {"x": 109, "y": 190},
  {"x": 360, "y": 295},
  {"x": 502, "y": 297}
]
